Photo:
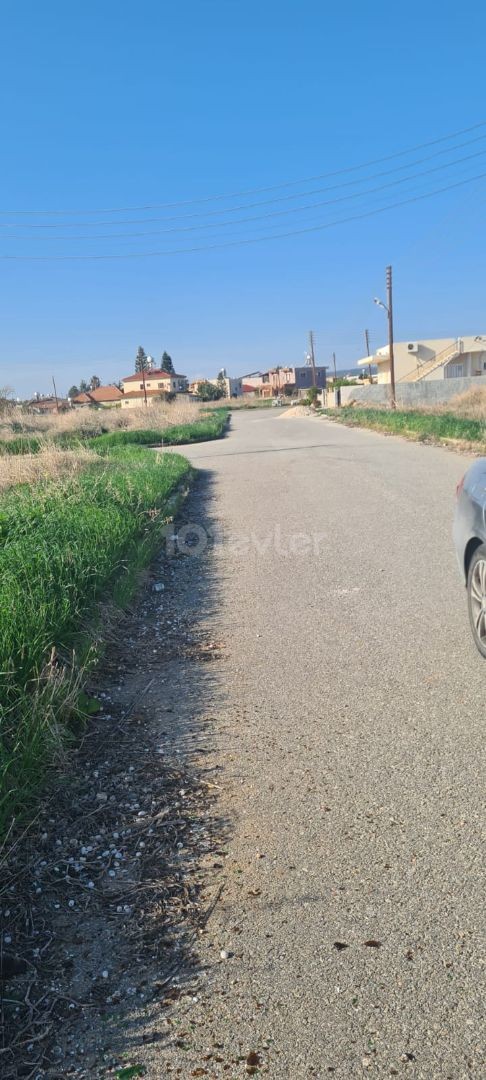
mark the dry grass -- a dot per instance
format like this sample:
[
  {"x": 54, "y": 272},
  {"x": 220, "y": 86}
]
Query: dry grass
[
  {"x": 95, "y": 421},
  {"x": 471, "y": 404},
  {"x": 49, "y": 464}
]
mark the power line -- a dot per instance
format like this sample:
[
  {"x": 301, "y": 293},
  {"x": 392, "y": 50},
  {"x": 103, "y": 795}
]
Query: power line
[
  {"x": 263, "y": 217},
  {"x": 256, "y": 190},
  {"x": 245, "y": 206},
  {"x": 240, "y": 242}
]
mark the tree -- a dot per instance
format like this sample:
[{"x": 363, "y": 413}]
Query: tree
[
  {"x": 221, "y": 385},
  {"x": 312, "y": 395},
  {"x": 94, "y": 382},
  {"x": 83, "y": 386},
  {"x": 209, "y": 392},
  {"x": 141, "y": 360},
  {"x": 73, "y": 392},
  {"x": 167, "y": 364}
]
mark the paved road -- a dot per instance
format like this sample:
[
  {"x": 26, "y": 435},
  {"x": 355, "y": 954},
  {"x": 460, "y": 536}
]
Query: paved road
[{"x": 352, "y": 720}]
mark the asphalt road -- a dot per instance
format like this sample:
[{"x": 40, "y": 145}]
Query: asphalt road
[{"x": 349, "y": 739}]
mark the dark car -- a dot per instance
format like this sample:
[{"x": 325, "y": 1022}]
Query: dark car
[{"x": 470, "y": 541}]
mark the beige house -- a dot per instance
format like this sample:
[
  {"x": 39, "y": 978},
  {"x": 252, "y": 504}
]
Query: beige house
[
  {"x": 134, "y": 399},
  {"x": 433, "y": 358},
  {"x": 232, "y": 387},
  {"x": 156, "y": 380}
]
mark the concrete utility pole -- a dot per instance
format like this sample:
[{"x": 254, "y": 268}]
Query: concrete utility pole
[
  {"x": 312, "y": 357},
  {"x": 389, "y": 304},
  {"x": 367, "y": 342},
  {"x": 334, "y": 362},
  {"x": 388, "y": 307}
]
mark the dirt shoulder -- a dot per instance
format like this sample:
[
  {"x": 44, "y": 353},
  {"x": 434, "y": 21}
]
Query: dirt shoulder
[{"x": 104, "y": 899}]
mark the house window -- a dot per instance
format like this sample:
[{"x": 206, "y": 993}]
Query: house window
[
  {"x": 455, "y": 371},
  {"x": 141, "y": 385},
  {"x": 160, "y": 385}
]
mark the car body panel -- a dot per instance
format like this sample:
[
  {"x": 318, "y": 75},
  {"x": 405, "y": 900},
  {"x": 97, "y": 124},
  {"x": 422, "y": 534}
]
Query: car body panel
[{"x": 470, "y": 515}]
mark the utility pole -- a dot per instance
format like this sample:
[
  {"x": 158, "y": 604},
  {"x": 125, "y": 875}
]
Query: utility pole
[
  {"x": 55, "y": 394},
  {"x": 144, "y": 387},
  {"x": 334, "y": 363},
  {"x": 389, "y": 304},
  {"x": 367, "y": 341},
  {"x": 312, "y": 357}
]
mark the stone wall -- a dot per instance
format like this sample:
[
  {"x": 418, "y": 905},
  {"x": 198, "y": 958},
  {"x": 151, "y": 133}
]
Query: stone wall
[{"x": 410, "y": 395}]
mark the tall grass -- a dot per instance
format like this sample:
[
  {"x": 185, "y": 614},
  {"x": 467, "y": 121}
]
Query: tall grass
[
  {"x": 48, "y": 464},
  {"x": 209, "y": 425},
  {"x": 90, "y": 421},
  {"x": 63, "y": 546},
  {"x": 415, "y": 423}
]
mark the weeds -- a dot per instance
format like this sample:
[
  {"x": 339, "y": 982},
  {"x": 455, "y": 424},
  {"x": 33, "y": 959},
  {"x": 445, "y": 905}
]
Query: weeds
[
  {"x": 415, "y": 424},
  {"x": 64, "y": 545},
  {"x": 210, "y": 425}
]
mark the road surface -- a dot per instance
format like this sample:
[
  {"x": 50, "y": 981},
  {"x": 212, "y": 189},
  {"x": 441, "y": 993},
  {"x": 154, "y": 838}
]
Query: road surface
[{"x": 348, "y": 734}]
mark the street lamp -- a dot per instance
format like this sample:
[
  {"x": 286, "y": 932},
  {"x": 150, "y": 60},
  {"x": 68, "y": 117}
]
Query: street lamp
[{"x": 388, "y": 307}]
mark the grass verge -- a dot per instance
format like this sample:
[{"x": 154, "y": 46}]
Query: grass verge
[
  {"x": 414, "y": 424},
  {"x": 64, "y": 547},
  {"x": 210, "y": 426}
]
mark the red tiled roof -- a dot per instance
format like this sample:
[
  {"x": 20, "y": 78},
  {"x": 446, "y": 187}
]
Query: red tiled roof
[
  {"x": 248, "y": 388},
  {"x": 155, "y": 373},
  {"x": 102, "y": 393}
]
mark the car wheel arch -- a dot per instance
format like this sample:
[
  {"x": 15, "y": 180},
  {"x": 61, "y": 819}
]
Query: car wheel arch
[{"x": 471, "y": 546}]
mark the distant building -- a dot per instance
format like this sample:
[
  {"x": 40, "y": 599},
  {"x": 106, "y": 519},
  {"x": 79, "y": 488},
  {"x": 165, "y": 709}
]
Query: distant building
[
  {"x": 255, "y": 378},
  {"x": 48, "y": 404},
  {"x": 104, "y": 396},
  {"x": 232, "y": 387},
  {"x": 432, "y": 358},
  {"x": 157, "y": 382},
  {"x": 285, "y": 380},
  {"x": 304, "y": 377}
]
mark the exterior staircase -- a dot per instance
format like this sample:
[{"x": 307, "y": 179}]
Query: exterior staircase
[{"x": 450, "y": 353}]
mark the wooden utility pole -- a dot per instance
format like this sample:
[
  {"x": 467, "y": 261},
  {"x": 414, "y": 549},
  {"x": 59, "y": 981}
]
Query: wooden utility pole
[
  {"x": 389, "y": 304},
  {"x": 312, "y": 357},
  {"x": 367, "y": 341},
  {"x": 55, "y": 394},
  {"x": 144, "y": 387},
  {"x": 334, "y": 363}
]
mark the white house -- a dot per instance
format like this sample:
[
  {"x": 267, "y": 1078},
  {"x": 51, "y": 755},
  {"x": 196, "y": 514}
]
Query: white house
[{"x": 434, "y": 358}]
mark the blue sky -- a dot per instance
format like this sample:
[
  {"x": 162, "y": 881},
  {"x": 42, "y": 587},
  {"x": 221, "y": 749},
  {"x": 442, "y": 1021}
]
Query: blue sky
[{"x": 121, "y": 104}]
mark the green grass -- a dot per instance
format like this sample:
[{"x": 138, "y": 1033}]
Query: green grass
[
  {"x": 412, "y": 423},
  {"x": 63, "y": 547},
  {"x": 211, "y": 426}
]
